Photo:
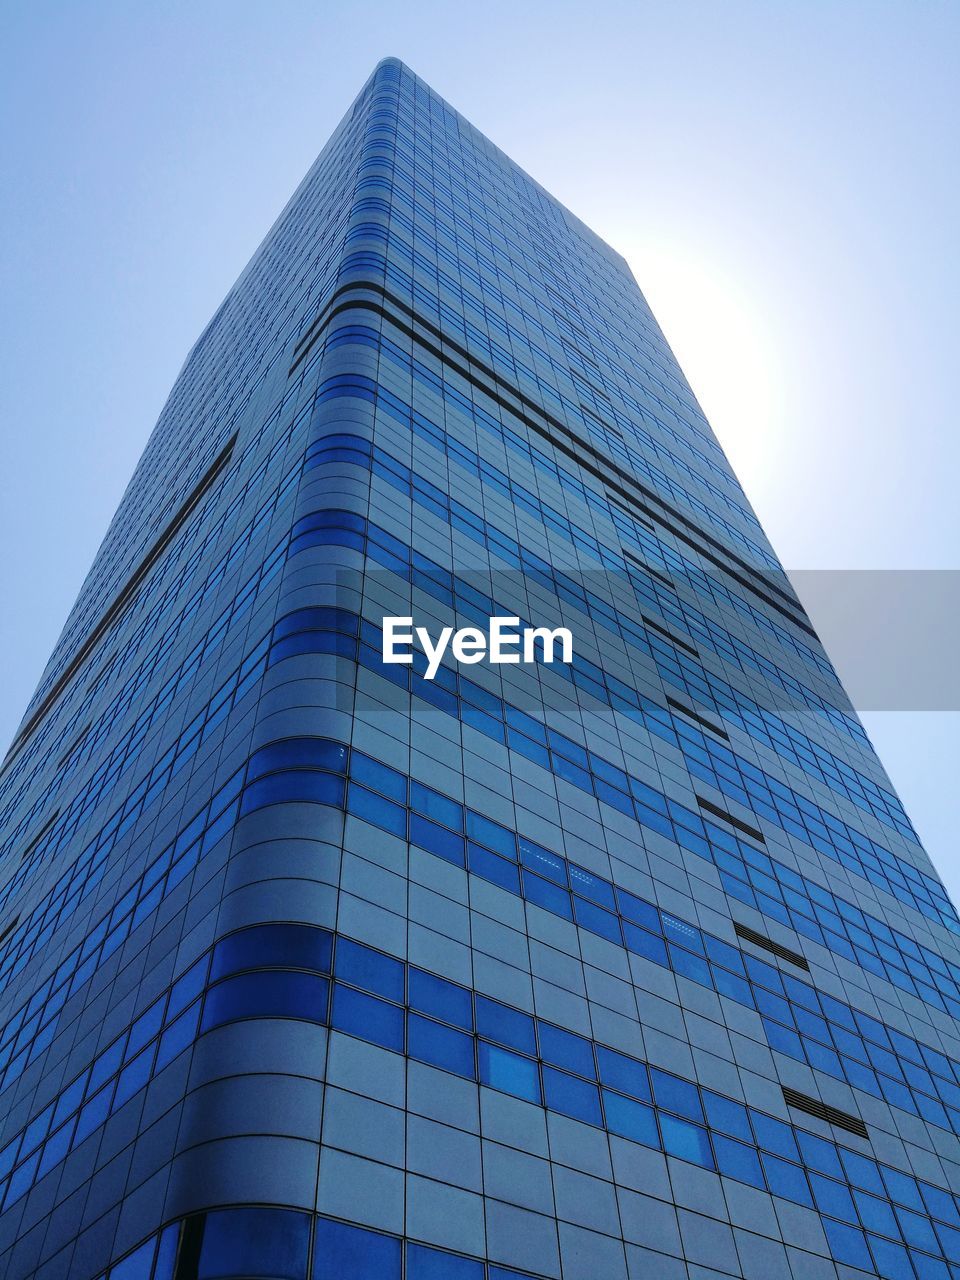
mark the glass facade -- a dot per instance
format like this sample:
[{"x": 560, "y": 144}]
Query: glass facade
[{"x": 314, "y": 967}]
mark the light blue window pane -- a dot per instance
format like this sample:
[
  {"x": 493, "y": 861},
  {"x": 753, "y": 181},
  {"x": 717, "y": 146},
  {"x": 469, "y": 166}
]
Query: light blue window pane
[
  {"x": 631, "y": 1119},
  {"x": 685, "y": 1140},
  {"x": 501, "y": 1069}
]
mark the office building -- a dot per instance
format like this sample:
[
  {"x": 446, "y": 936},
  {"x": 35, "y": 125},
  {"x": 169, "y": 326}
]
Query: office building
[{"x": 313, "y": 967}]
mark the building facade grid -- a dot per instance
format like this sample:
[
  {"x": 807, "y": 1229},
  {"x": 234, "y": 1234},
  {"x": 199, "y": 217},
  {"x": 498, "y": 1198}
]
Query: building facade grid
[{"x": 317, "y": 968}]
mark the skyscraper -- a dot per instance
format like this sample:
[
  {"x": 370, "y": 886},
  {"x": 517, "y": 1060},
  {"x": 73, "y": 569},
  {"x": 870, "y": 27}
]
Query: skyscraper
[{"x": 320, "y": 967}]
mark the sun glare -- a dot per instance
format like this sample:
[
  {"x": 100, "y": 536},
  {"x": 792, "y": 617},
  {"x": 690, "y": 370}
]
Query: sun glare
[{"x": 718, "y": 335}]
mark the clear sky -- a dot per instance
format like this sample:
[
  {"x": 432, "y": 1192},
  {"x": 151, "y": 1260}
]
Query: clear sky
[{"x": 781, "y": 176}]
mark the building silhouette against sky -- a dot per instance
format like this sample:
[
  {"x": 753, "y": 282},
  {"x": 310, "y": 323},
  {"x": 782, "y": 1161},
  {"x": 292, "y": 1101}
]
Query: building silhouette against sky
[{"x": 312, "y": 966}]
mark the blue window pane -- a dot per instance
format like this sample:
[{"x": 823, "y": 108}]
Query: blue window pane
[
  {"x": 622, "y": 1073},
  {"x": 287, "y": 946},
  {"x": 737, "y": 1160},
  {"x": 436, "y": 839},
  {"x": 549, "y": 896},
  {"x": 675, "y": 1094},
  {"x": 508, "y": 1072},
  {"x": 341, "y": 1252},
  {"x": 271, "y": 994},
  {"x": 284, "y": 788},
  {"x": 862, "y": 1171},
  {"x": 685, "y": 1140},
  {"x": 443, "y": 999},
  {"x": 783, "y": 1040},
  {"x": 786, "y": 1180},
  {"x": 639, "y": 911},
  {"x": 901, "y": 1187},
  {"x": 950, "y": 1241},
  {"x": 763, "y": 973},
  {"x": 773, "y": 1006},
  {"x": 244, "y": 1242},
  {"x": 876, "y": 1214},
  {"x": 302, "y": 753},
  {"x": 631, "y": 1119},
  {"x": 367, "y": 1017},
  {"x": 187, "y": 986},
  {"x": 861, "y": 1077},
  {"x": 377, "y": 809},
  {"x": 645, "y": 944},
  {"x": 917, "y": 1231},
  {"x": 774, "y": 1135},
  {"x": 543, "y": 862},
  {"x": 493, "y": 868},
  {"x": 690, "y": 966},
  {"x": 929, "y": 1268},
  {"x": 726, "y": 1115},
  {"x": 565, "y": 1049},
  {"x": 104, "y": 1065},
  {"x": 378, "y": 776},
  {"x": 847, "y": 1245},
  {"x": 509, "y": 1026},
  {"x": 891, "y": 1259},
  {"x": 166, "y": 1252},
  {"x": 55, "y": 1148},
  {"x": 133, "y": 1077},
  {"x": 564, "y": 769},
  {"x": 735, "y": 988},
  {"x": 685, "y": 935},
  {"x": 69, "y": 1100},
  {"x": 178, "y": 1036},
  {"x": 587, "y": 885},
  {"x": 136, "y": 1265},
  {"x": 437, "y": 1264},
  {"x": 144, "y": 1029},
  {"x": 369, "y": 969},
  {"x": 491, "y": 834},
  {"x": 21, "y": 1180},
  {"x": 594, "y": 918},
  {"x": 438, "y": 807},
  {"x": 723, "y": 954},
  {"x": 825, "y": 1060},
  {"x": 819, "y": 1154},
  {"x": 833, "y": 1197},
  {"x": 940, "y": 1204},
  {"x": 571, "y": 1096},
  {"x": 440, "y": 1045}
]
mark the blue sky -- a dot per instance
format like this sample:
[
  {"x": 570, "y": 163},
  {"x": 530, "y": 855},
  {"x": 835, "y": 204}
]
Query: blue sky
[{"x": 781, "y": 176}]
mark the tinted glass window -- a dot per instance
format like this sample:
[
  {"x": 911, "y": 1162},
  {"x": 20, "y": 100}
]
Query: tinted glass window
[
  {"x": 370, "y": 969},
  {"x": 274, "y": 993},
  {"x": 341, "y": 1252},
  {"x": 441, "y": 998},
  {"x": 367, "y": 1017},
  {"x": 440, "y": 1045},
  {"x": 504, "y": 1070},
  {"x": 254, "y": 1242}
]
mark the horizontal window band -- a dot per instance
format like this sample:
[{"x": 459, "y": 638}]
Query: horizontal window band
[
  {"x": 667, "y": 634},
  {"x": 722, "y": 814},
  {"x": 576, "y": 449},
  {"x": 39, "y": 836},
  {"x": 695, "y": 715},
  {"x": 823, "y": 1111},
  {"x": 614, "y": 502},
  {"x": 647, "y": 568},
  {"x": 775, "y": 948},
  {"x": 121, "y": 601}
]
